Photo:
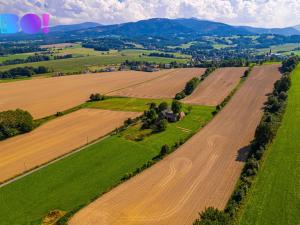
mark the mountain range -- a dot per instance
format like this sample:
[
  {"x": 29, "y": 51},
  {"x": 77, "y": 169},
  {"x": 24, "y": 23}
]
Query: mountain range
[{"x": 166, "y": 27}]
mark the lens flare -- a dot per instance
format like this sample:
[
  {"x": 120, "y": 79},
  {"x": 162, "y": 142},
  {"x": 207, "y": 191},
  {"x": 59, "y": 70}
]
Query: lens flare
[{"x": 31, "y": 23}]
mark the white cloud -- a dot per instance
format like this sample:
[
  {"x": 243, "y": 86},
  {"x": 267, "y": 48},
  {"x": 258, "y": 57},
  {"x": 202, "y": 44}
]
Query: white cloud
[{"x": 264, "y": 13}]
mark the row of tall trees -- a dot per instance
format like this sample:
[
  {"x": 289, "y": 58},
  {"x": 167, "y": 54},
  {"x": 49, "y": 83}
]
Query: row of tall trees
[{"x": 192, "y": 84}]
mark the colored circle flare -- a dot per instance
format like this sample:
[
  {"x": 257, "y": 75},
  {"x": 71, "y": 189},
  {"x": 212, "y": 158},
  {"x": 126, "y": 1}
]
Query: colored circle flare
[{"x": 31, "y": 23}]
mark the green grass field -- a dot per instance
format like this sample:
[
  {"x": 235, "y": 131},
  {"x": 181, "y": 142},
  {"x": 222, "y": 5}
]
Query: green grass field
[
  {"x": 275, "y": 198},
  {"x": 91, "y": 58},
  {"x": 15, "y": 56},
  {"x": 80, "y": 178},
  {"x": 125, "y": 104}
]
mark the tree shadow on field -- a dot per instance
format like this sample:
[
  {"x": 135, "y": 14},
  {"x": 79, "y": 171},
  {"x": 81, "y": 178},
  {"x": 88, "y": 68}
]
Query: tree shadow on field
[{"x": 242, "y": 154}]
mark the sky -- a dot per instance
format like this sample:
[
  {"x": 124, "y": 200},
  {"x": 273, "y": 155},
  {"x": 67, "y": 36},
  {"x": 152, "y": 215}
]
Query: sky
[{"x": 259, "y": 13}]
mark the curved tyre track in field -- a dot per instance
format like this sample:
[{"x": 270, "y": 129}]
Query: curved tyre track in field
[
  {"x": 163, "y": 87},
  {"x": 216, "y": 86},
  {"x": 44, "y": 97},
  {"x": 56, "y": 138},
  {"x": 201, "y": 173}
]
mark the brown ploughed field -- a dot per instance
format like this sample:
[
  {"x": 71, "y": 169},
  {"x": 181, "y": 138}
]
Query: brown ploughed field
[
  {"x": 56, "y": 138},
  {"x": 216, "y": 86},
  {"x": 202, "y": 173},
  {"x": 163, "y": 87},
  {"x": 44, "y": 97}
]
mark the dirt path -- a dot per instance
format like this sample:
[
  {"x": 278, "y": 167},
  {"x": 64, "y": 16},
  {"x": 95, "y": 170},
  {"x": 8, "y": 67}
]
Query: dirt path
[
  {"x": 216, "y": 86},
  {"x": 163, "y": 87},
  {"x": 56, "y": 138},
  {"x": 201, "y": 173},
  {"x": 44, "y": 97}
]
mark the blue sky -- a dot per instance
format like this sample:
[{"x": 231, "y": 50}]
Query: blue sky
[{"x": 262, "y": 13}]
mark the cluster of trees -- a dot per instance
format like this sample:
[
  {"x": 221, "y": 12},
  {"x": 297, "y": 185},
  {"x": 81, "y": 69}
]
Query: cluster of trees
[
  {"x": 13, "y": 122},
  {"x": 155, "y": 117},
  {"x": 105, "y": 44},
  {"x": 67, "y": 56},
  {"x": 147, "y": 66},
  {"x": 164, "y": 55},
  {"x": 264, "y": 134},
  {"x": 34, "y": 58},
  {"x": 7, "y": 48},
  {"x": 27, "y": 71},
  {"x": 96, "y": 97},
  {"x": 192, "y": 84},
  {"x": 234, "y": 62}
]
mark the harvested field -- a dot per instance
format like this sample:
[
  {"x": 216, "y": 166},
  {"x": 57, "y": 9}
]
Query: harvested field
[
  {"x": 164, "y": 87},
  {"x": 201, "y": 173},
  {"x": 216, "y": 86},
  {"x": 44, "y": 97},
  {"x": 56, "y": 138}
]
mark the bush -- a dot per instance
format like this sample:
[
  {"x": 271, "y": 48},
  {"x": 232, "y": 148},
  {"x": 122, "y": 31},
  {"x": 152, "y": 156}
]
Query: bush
[
  {"x": 162, "y": 106},
  {"x": 212, "y": 216},
  {"x": 176, "y": 106},
  {"x": 180, "y": 95},
  {"x": 96, "y": 97},
  {"x": 13, "y": 122},
  {"x": 161, "y": 125},
  {"x": 128, "y": 122},
  {"x": 164, "y": 150}
]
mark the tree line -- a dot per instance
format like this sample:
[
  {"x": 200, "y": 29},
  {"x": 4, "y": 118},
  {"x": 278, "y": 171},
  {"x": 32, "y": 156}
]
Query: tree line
[
  {"x": 265, "y": 133},
  {"x": 26, "y": 71},
  {"x": 192, "y": 84},
  {"x": 14, "y": 122},
  {"x": 34, "y": 58},
  {"x": 18, "y": 47},
  {"x": 163, "y": 55}
]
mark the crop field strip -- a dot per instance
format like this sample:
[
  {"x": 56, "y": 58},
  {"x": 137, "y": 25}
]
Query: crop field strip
[
  {"x": 216, "y": 86},
  {"x": 56, "y": 138},
  {"x": 274, "y": 198},
  {"x": 81, "y": 177},
  {"x": 163, "y": 87},
  {"x": 44, "y": 97},
  {"x": 199, "y": 174}
]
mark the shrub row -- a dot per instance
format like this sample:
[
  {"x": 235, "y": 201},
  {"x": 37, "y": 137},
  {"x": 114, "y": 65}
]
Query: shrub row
[
  {"x": 265, "y": 132},
  {"x": 192, "y": 84}
]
